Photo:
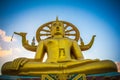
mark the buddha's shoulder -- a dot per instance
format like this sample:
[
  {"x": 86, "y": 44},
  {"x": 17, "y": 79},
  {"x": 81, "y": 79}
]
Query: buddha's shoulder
[
  {"x": 66, "y": 38},
  {"x": 49, "y": 40}
]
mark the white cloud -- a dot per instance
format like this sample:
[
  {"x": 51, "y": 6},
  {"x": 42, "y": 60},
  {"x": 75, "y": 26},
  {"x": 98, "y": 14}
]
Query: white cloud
[
  {"x": 5, "y": 52},
  {"x": 4, "y": 37},
  {"x": 6, "y": 47}
]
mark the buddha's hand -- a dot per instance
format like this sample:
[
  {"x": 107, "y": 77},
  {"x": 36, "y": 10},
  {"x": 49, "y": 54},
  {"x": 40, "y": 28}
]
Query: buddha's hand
[{"x": 19, "y": 62}]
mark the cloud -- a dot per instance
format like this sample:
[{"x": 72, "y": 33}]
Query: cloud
[
  {"x": 4, "y": 37},
  {"x": 5, "y": 52},
  {"x": 6, "y": 46}
]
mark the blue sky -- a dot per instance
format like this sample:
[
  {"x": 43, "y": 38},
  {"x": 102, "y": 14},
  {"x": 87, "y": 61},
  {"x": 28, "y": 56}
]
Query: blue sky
[{"x": 91, "y": 17}]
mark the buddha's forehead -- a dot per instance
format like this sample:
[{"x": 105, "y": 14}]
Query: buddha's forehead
[{"x": 57, "y": 23}]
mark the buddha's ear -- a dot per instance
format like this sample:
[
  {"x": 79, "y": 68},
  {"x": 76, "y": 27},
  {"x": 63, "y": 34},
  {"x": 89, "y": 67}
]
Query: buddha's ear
[{"x": 52, "y": 33}]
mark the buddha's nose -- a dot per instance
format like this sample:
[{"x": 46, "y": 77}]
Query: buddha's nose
[{"x": 57, "y": 28}]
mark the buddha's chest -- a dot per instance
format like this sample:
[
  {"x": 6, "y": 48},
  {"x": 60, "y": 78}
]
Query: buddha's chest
[
  {"x": 58, "y": 43},
  {"x": 58, "y": 49}
]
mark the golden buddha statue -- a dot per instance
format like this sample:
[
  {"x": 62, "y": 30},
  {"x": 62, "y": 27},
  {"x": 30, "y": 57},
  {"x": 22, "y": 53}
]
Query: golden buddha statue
[{"x": 64, "y": 55}]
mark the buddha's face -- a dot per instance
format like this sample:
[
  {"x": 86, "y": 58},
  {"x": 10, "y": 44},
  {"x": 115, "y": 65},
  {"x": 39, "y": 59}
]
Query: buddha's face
[{"x": 57, "y": 28}]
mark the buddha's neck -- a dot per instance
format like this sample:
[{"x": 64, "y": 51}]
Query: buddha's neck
[{"x": 58, "y": 36}]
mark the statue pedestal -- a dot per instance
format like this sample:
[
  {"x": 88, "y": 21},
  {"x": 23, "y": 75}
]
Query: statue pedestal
[{"x": 103, "y": 76}]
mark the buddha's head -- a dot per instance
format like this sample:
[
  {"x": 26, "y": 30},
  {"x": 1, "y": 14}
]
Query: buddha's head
[{"x": 57, "y": 28}]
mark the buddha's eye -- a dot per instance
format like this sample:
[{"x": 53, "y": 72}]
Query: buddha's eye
[
  {"x": 59, "y": 24},
  {"x": 54, "y": 24}
]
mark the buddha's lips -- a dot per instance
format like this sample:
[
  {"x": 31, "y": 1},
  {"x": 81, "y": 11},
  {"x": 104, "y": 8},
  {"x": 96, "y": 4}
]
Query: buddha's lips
[{"x": 57, "y": 33}]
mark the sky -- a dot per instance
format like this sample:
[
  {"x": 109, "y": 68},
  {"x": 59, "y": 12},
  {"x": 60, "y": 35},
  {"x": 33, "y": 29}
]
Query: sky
[{"x": 91, "y": 17}]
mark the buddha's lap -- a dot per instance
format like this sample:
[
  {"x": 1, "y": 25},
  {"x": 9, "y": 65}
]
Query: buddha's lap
[{"x": 75, "y": 64}]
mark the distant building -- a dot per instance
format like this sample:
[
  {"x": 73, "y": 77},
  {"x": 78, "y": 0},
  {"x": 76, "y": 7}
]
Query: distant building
[{"x": 118, "y": 66}]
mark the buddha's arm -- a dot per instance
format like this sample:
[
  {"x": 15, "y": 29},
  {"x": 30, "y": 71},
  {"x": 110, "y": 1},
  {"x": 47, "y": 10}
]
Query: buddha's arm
[
  {"x": 76, "y": 50},
  {"x": 40, "y": 51}
]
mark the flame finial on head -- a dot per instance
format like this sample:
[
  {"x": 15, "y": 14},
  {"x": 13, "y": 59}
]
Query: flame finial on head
[{"x": 57, "y": 19}]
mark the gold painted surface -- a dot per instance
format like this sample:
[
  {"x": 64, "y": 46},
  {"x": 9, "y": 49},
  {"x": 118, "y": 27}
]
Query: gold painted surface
[{"x": 64, "y": 55}]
